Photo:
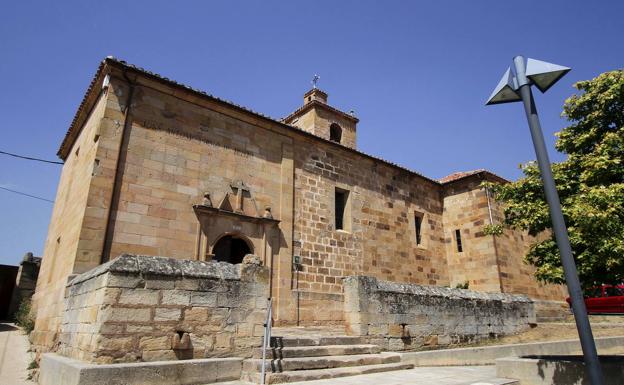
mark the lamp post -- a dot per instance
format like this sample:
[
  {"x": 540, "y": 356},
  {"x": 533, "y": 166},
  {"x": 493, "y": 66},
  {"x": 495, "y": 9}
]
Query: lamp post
[{"x": 515, "y": 86}]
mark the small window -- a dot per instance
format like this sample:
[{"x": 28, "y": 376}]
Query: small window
[
  {"x": 335, "y": 133},
  {"x": 458, "y": 240},
  {"x": 418, "y": 218},
  {"x": 341, "y": 198}
]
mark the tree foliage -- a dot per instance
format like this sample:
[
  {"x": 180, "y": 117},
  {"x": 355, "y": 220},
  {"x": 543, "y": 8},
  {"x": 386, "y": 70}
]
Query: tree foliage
[{"x": 590, "y": 183}]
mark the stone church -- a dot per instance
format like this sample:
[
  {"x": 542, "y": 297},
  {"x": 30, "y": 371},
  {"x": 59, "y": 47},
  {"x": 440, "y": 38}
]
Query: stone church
[{"x": 156, "y": 168}]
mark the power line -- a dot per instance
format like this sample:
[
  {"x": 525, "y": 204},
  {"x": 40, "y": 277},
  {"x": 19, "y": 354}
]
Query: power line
[
  {"x": 28, "y": 195},
  {"x": 30, "y": 158}
]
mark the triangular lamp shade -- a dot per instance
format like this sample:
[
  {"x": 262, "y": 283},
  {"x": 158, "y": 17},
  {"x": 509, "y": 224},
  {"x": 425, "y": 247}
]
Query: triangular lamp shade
[
  {"x": 544, "y": 74},
  {"x": 504, "y": 91}
]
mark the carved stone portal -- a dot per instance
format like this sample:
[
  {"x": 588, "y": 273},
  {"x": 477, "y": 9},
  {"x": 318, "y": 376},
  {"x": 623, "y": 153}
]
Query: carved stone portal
[{"x": 235, "y": 228}]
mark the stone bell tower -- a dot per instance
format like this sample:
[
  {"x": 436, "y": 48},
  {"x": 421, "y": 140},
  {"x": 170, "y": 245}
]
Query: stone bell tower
[{"x": 319, "y": 118}]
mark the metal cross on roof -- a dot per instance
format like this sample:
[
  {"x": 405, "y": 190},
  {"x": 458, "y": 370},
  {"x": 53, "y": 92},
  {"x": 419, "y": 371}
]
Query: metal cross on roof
[{"x": 315, "y": 80}]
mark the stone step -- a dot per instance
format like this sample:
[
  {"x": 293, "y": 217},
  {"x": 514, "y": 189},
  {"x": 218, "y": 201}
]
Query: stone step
[
  {"x": 283, "y": 342},
  {"x": 316, "y": 351},
  {"x": 318, "y": 374},
  {"x": 322, "y": 362}
]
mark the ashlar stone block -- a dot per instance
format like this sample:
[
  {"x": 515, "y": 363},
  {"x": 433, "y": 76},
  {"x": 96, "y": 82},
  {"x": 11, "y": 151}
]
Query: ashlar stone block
[
  {"x": 155, "y": 343},
  {"x": 175, "y": 297},
  {"x": 167, "y": 314},
  {"x": 139, "y": 297}
]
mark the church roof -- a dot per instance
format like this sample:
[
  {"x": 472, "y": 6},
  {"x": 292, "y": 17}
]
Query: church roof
[
  {"x": 315, "y": 103},
  {"x": 89, "y": 100},
  {"x": 465, "y": 174}
]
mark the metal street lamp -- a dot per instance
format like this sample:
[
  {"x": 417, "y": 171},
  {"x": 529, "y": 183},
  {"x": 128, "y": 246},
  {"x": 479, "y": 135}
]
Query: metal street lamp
[{"x": 515, "y": 86}]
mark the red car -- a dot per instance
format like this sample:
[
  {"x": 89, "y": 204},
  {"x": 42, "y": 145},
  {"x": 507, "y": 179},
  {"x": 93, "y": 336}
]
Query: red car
[{"x": 604, "y": 299}]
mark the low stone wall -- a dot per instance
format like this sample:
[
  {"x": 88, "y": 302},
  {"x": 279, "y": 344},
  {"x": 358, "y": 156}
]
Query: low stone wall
[
  {"x": 139, "y": 308},
  {"x": 563, "y": 369},
  {"x": 406, "y": 317},
  {"x": 58, "y": 370},
  {"x": 551, "y": 311},
  {"x": 487, "y": 355}
]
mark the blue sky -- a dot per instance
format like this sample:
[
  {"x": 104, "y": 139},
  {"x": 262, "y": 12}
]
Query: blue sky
[{"x": 416, "y": 73}]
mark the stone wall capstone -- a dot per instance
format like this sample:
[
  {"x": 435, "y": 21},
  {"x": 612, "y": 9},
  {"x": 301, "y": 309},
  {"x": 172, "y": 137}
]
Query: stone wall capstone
[
  {"x": 400, "y": 316},
  {"x": 141, "y": 308}
]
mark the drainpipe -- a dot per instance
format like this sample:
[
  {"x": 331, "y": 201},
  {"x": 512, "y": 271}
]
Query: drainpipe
[
  {"x": 500, "y": 278},
  {"x": 121, "y": 162},
  {"x": 487, "y": 194}
]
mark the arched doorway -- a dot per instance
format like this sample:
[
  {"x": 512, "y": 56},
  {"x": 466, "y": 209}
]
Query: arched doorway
[{"x": 231, "y": 249}]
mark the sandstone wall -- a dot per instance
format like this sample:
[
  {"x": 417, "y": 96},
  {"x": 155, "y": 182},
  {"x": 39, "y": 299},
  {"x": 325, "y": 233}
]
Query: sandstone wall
[
  {"x": 404, "y": 316},
  {"x": 488, "y": 263},
  {"x": 466, "y": 210},
  {"x": 178, "y": 150},
  {"x": 137, "y": 308},
  {"x": 67, "y": 224},
  {"x": 517, "y": 276},
  {"x": 379, "y": 238}
]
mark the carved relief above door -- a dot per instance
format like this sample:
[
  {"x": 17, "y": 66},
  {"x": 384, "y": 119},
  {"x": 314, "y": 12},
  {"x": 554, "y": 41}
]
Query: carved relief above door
[{"x": 234, "y": 227}]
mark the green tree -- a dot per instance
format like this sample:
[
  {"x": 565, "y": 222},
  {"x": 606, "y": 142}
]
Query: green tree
[{"x": 590, "y": 183}]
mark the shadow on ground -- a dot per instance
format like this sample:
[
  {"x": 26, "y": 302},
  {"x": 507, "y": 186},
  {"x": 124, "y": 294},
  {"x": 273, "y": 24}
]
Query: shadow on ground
[
  {"x": 5, "y": 326},
  {"x": 566, "y": 370}
]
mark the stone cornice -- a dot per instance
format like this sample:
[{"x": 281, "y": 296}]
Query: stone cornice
[{"x": 315, "y": 103}]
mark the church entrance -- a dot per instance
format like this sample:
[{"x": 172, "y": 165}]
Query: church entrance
[{"x": 230, "y": 249}]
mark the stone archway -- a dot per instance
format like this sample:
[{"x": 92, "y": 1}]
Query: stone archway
[{"x": 231, "y": 249}]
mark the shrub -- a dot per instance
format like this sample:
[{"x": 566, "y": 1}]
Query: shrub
[
  {"x": 23, "y": 318},
  {"x": 33, "y": 365}
]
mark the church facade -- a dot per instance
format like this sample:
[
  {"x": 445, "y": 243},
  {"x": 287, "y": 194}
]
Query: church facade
[{"x": 153, "y": 167}]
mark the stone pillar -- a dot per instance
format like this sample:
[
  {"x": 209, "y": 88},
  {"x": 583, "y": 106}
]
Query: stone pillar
[
  {"x": 282, "y": 266},
  {"x": 357, "y": 290}
]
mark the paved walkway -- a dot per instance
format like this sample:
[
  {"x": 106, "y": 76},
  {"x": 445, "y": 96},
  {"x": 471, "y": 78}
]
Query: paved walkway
[
  {"x": 308, "y": 331},
  {"x": 14, "y": 356},
  {"x": 441, "y": 375}
]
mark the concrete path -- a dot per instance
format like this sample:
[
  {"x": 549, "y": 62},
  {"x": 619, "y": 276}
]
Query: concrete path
[
  {"x": 14, "y": 356},
  {"x": 441, "y": 375}
]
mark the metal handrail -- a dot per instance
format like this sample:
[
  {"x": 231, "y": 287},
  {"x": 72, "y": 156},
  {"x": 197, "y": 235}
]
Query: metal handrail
[{"x": 266, "y": 341}]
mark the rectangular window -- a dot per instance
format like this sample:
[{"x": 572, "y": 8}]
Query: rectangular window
[
  {"x": 418, "y": 217},
  {"x": 341, "y": 208},
  {"x": 459, "y": 241}
]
